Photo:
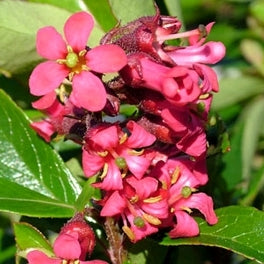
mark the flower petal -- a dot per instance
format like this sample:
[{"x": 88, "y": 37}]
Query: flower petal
[
  {"x": 143, "y": 187},
  {"x": 141, "y": 232},
  {"x": 88, "y": 92},
  {"x": 185, "y": 227},
  {"x": 139, "y": 136},
  {"x": 138, "y": 165},
  {"x": 106, "y": 138},
  {"x": 112, "y": 180},
  {"x": 44, "y": 128},
  {"x": 91, "y": 163},
  {"x": 77, "y": 30},
  {"x": 37, "y": 257},
  {"x": 50, "y": 44},
  {"x": 209, "y": 53},
  {"x": 106, "y": 58},
  {"x": 67, "y": 247},
  {"x": 46, "y": 77},
  {"x": 204, "y": 204},
  {"x": 45, "y": 101},
  {"x": 114, "y": 205}
]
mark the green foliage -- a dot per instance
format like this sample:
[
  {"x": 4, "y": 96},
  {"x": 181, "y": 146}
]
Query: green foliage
[
  {"x": 30, "y": 170},
  {"x": 239, "y": 229}
]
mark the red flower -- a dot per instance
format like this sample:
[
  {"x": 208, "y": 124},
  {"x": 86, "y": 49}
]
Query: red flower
[
  {"x": 71, "y": 59},
  {"x": 181, "y": 184},
  {"x": 140, "y": 205},
  {"x": 110, "y": 148}
]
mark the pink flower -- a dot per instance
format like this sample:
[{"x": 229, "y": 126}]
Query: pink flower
[
  {"x": 71, "y": 59},
  {"x": 66, "y": 248},
  {"x": 140, "y": 205},
  {"x": 181, "y": 184},
  {"x": 179, "y": 85},
  {"x": 63, "y": 119},
  {"x": 110, "y": 149}
]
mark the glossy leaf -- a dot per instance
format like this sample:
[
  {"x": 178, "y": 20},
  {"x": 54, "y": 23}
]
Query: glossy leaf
[
  {"x": 127, "y": 10},
  {"x": 239, "y": 229},
  {"x": 34, "y": 181},
  {"x": 18, "y": 31},
  {"x": 28, "y": 236}
]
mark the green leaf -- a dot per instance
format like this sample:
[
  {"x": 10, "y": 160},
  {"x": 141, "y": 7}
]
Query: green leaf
[
  {"x": 127, "y": 10},
  {"x": 146, "y": 251},
  {"x": 102, "y": 12},
  {"x": 34, "y": 181},
  {"x": 28, "y": 236},
  {"x": 174, "y": 8},
  {"x": 257, "y": 10},
  {"x": 231, "y": 170},
  {"x": 72, "y": 6},
  {"x": 240, "y": 88},
  {"x": 254, "y": 53},
  {"x": 255, "y": 186},
  {"x": 239, "y": 229},
  {"x": 253, "y": 117},
  {"x": 18, "y": 31}
]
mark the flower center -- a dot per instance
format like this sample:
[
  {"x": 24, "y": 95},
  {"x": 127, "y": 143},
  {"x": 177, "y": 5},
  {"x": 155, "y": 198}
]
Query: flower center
[
  {"x": 186, "y": 191},
  {"x": 72, "y": 60},
  {"x": 76, "y": 62}
]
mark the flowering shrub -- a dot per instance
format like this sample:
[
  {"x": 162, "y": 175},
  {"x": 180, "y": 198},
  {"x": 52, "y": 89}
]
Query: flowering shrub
[
  {"x": 143, "y": 163},
  {"x": 136, "y": 108}
]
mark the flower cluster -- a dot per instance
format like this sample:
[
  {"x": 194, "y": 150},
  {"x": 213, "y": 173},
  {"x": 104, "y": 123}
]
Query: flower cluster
[{"x": 148, "y": 165}]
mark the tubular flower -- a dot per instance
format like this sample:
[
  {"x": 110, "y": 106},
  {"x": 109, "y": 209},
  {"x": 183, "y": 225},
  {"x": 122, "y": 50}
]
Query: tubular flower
[
  {"x": 70, "y": 59},
  {"x": 110, "y": 149},
  {"x": 181, "y": 184},
  {"x": 140, "y": 206},
  {"x": 178, "y": 85}
]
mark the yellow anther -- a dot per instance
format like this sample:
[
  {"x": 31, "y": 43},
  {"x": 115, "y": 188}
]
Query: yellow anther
[
  {"x": 105, "y": 169},
  {"x": 204, "y": 96},
  {"x": 153, "y": 199},
  {"x": 61, "y": 61},
  {"x": 129, "y": 232},
  {"x": 69, "y": 49},
  {"x": 124, "y": 172},
  {"x": 187, "y": 209},
  {"x": 123, "y": 138},
  {"x": 152, "y": 219},
  {"x": 164, "y": 185},
  {"x": 82, "y": 53},
  {"x": 175, "y": 175},
  {"x": 134, "y": 199},
  {"x": 136, "y": 152},
  {"x": 102, "y": 153},
  {"x": 71, "y": 74}
]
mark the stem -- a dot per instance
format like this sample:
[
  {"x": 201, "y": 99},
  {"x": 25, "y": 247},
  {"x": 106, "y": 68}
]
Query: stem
[{"x": 118, "y": 254}]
